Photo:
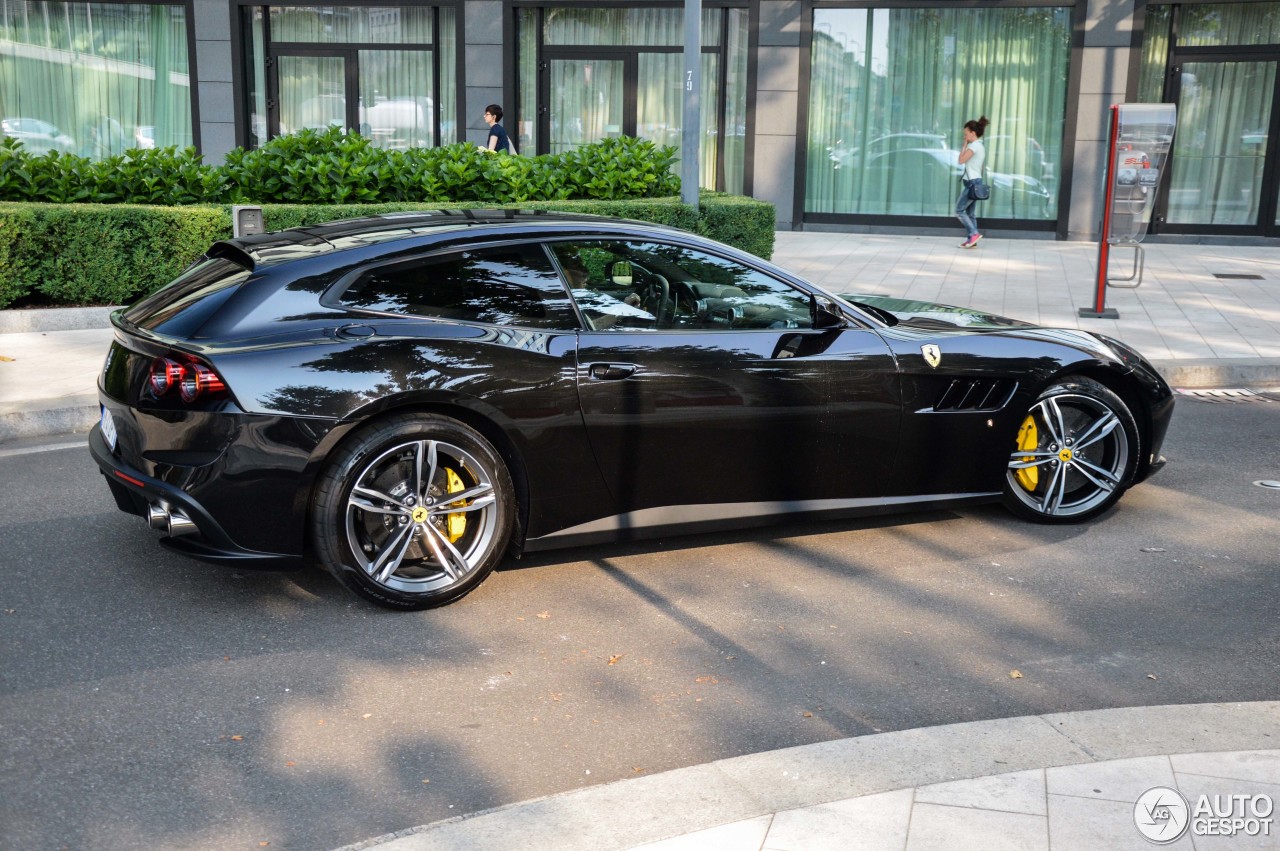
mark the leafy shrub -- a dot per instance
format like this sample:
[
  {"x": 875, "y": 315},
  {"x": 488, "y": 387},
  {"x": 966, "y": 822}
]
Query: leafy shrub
[
  {"x": 332, "y": 167},
  {"x": 168, "y": 176}
]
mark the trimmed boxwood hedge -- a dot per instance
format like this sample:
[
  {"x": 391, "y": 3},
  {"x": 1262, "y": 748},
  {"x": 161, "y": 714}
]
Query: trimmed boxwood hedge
[{"x": 104, "y": 254}]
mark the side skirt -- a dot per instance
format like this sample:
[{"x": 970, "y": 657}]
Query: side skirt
[{"x": 692, "y": 519}]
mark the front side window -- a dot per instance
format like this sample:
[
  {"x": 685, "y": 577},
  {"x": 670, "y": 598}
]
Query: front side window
[
  {"x": 655, "y": 286},
  {"x": 891, "y": 89},
  {"x": 510, "y": 285},
  {"x": 94, "y": 79}
]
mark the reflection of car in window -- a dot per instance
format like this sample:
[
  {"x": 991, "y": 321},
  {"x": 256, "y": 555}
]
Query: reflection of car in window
[
  {"x": 37, "y": 136},
  {"x": 1020, "y": 155},
  {"x": 921, "y": 180},
  {"x": 852, "y": 156}
]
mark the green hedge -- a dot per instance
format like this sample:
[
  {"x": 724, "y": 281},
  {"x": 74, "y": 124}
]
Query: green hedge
[
  {"x": 332, "y": 167},
  {"x": 103, "y": 254}
]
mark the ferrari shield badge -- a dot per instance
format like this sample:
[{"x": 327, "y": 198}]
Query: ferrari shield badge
[{"x": 932, "y": 355}]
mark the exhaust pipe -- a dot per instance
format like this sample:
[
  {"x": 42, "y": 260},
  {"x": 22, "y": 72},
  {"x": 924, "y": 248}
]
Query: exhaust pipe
[{"x": 170, "y": 520}]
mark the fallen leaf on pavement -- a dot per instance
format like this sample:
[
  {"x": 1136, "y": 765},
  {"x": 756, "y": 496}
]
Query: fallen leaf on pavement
[
  {"x": 613, "y": 660},
  {"x": 1015, "y": 674},
  {"x": 544, "y": 615},
  {"x": 1151, "y": 676},
  {"x": 808, "y": 715}
]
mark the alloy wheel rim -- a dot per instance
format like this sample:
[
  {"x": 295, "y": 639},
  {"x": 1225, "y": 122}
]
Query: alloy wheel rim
[
  {"x": 1078, "y": 460},
  {"x": 421, "y": 516}
]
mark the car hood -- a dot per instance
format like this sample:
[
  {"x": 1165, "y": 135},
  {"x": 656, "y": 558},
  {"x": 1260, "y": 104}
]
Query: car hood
[{"x": 928, "y": 315}]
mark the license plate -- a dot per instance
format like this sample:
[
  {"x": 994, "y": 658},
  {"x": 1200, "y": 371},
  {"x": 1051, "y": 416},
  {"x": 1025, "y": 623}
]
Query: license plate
[{"x": 108, "y": 428}]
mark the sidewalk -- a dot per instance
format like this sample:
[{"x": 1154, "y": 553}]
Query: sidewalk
[
  {"x": 1200, "y": 330},
  {"x": 1067, "y": 781}
]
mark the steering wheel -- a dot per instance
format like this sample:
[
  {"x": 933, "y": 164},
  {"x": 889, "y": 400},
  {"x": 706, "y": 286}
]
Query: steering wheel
[{"x": 657, "y": 298}]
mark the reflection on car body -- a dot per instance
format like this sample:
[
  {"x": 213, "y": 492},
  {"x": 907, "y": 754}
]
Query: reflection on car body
[{"x": 407, "y": 399}]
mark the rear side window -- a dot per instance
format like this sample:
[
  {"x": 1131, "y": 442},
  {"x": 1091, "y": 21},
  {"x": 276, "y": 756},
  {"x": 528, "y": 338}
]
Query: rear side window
[
  {"x": 182, "y": 307},
  {"x": 503, "y": 285}
]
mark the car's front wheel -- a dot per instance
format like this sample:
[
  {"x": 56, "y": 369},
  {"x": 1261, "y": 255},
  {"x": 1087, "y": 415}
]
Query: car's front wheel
[
  {"x": 1075, "y": 453},
  {"x": 414, "y": 512}
]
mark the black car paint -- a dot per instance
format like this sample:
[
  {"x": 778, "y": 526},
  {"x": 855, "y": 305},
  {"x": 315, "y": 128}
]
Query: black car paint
[{"x": 594, "y": 456}]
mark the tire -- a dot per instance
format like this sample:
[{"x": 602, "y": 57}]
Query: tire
[
  {"x": 1074, "y": 455},
  {"x": 379, "y": 522}
]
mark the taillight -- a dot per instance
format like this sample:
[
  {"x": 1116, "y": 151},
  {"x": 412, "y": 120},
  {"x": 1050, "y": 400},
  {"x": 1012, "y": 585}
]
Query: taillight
[
  {"x": 192, "y": 379},
  {"x": 165, "y": 375},
  {"x": 198, "y": 380}
]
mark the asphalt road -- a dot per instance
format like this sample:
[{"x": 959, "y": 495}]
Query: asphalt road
[{"x": 149, "y": 701}]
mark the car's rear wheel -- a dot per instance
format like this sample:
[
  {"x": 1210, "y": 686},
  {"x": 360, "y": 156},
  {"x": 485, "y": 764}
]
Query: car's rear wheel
[
  {"x": 414, "y": 512},
  {"x": 1074, "y": 454}
]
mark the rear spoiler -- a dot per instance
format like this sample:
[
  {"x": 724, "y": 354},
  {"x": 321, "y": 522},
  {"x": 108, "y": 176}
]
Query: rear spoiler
[{"x": 230, "y": 251}]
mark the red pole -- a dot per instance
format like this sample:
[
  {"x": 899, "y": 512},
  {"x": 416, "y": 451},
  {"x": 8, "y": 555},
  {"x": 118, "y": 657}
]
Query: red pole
[{"x": 1104, "y": 246}]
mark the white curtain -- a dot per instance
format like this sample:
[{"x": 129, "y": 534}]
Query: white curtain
[
  {"x": 892, "y": 88},
  {"x": 351, "y": 24},
  {"x": 395, "y": 104},
  {"x": 1220, "y": 146},
  {"x": 587, "y": 96},
  {"x": 94, "y": 78}
]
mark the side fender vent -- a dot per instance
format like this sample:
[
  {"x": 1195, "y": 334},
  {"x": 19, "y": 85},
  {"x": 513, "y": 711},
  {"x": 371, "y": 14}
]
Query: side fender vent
[{"x": 976, "y": 394}]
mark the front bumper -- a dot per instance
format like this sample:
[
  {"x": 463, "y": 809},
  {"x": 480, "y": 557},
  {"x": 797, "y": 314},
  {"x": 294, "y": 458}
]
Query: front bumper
[{"x": 134, "y": 492}]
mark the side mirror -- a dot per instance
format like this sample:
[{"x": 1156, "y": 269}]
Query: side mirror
[
  {"x": 826, "y": 314},
  {"x": 621, "y": 274}
]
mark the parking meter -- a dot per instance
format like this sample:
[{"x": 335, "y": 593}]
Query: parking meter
[
  {"x": 1140, "y": 140},
  {"x": 246, "y": 219}
]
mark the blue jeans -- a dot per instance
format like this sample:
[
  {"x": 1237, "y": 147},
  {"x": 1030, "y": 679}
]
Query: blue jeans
[{"x": 965, "y": 205}]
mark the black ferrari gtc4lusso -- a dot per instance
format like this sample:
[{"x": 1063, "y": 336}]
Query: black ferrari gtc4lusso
[{"x": 408, "y": 398}]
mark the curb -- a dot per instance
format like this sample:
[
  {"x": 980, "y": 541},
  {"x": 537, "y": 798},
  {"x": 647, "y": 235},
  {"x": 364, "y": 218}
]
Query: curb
[
  {"x": 55, "y": 319},
  {"x": 686, "y": 800},
  {"x": 46, "y": 418},
  {"x": 1220, "y": 372}
]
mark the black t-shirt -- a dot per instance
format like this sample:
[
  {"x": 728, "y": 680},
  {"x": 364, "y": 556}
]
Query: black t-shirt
[{"x": 503, "y": 146}]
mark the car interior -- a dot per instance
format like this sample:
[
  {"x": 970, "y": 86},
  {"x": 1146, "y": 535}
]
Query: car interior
[{"x": 624, "y": 287}]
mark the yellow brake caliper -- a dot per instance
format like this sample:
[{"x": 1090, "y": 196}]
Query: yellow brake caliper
[
  {"x": 1028, "y": 439},
  {"x": 457, "y": 522}
]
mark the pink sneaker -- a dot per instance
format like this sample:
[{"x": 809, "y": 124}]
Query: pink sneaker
[{"x": 971, "y": 242}]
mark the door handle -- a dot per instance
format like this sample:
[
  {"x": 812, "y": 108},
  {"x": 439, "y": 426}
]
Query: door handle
[{"x": 611, "y": 371}]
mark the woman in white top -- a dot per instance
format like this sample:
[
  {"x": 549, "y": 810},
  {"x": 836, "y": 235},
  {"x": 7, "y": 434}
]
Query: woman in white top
[{"x": 972, "y": 156}]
